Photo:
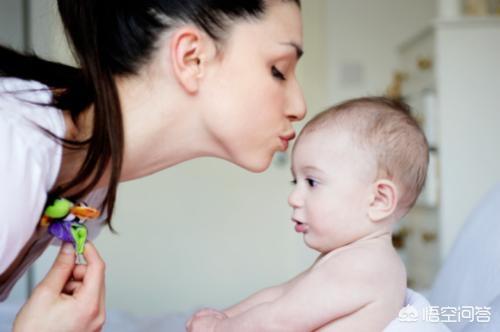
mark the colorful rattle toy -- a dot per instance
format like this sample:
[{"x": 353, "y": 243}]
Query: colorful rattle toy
[{"x": 65, "y": 221}]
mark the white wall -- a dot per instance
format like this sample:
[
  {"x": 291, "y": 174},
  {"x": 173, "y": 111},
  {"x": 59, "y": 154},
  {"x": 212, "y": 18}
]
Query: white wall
[
  {"x": 312, "y": 70},
  {"x": 48, "y": 39},
  {"x": 363, "y": 37},
  {"x": 468, "y": 69},
  {"x": 11, "y": 24},
  {"x": 204, "y": 232},
  {"x": 449, "y": 9}
]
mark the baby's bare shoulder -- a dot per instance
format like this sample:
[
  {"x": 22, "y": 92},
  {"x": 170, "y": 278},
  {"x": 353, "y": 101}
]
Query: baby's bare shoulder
[{"x": 377, "y": 265}]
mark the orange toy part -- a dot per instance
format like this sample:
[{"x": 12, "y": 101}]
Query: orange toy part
[
  {"x": 85, "y": 212},
  {"x": 45, "y": 221}
]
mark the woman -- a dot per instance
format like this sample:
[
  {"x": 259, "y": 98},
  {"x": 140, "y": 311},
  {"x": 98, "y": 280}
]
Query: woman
[{"x": 161, "y": 82}]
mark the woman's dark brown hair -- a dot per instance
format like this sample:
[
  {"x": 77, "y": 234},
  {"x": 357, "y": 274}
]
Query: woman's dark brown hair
[{"x": 109, "y": 39}]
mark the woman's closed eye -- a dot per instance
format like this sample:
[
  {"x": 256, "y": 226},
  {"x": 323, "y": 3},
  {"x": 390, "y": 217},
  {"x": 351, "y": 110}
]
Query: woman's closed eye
[{"x": 277, "y": 74}]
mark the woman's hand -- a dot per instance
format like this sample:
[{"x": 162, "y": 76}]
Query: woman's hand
[{"x": 61, "y": 303}]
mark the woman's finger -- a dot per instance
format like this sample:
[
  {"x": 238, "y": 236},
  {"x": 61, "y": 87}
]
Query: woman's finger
[
  {"x": 188, "y": 324},
  {"x": 61, "y": 270},
  {"x": 79, "y": 272},
  {"x": 93, "y": 280},
  {"x": 72, "y": 287},
  {"x": 102, "y": 304}
]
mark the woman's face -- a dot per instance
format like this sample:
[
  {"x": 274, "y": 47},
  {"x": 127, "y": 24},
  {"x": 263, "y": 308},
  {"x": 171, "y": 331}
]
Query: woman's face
[{"x": 252, "y": 92}]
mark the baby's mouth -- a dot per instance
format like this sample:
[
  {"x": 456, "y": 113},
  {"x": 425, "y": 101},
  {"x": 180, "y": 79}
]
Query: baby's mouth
[{"x": 300, "y": 227}]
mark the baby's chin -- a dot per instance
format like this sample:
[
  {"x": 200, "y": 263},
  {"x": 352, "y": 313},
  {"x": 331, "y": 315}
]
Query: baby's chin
[
  {"x": 334, "y": 244},
  {"x": 321, "y": 248}
]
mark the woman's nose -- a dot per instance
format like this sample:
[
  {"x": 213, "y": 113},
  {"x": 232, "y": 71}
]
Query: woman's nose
[{"x": 297, "y": 106}]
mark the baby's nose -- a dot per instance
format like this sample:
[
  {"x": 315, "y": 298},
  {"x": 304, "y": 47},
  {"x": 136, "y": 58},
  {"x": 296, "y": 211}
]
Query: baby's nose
[{"x": 294, "y": 199}]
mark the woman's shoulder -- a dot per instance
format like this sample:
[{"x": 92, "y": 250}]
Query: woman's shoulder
[
  {"x": 29, "y": 161},
  {"x": 26, "y": 105},
  {"x": 25, "y": 115},
  {"x": 25, "y": 89}
]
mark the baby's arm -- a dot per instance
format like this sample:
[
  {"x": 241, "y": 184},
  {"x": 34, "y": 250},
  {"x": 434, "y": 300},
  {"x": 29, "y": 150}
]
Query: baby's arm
[
  {"x": 266, "y": 295},
  {"x": 333, "y": 290}
]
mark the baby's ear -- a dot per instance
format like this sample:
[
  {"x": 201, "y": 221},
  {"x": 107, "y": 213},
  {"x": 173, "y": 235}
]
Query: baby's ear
[{"x": 384, "y": 200}]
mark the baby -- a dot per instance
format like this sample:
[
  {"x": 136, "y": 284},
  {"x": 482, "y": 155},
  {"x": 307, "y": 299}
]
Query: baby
[{"x": 357, "y": 169}]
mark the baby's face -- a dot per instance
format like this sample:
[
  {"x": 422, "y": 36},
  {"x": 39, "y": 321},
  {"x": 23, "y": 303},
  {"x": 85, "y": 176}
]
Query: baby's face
[{"x": 333, "y": 186}]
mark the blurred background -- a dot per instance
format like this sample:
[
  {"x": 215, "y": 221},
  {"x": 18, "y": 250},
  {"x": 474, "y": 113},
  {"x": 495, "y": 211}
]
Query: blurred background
[{"x": 208, "y": 233}]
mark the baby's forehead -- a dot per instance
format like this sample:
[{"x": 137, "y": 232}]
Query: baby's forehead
[
  {"x": 354, "y": 121},
  {"x": 329, "y": 137},
  {"x": 326, "y": 148}
]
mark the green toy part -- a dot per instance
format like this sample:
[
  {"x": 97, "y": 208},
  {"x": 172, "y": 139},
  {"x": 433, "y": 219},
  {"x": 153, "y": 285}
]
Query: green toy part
[
  {"x": 59, "y": 209},
  {"x": 79, "y": 233}
]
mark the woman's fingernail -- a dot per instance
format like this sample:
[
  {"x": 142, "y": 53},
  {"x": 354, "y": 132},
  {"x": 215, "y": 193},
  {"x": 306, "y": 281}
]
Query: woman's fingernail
[{"x": 67, "y": 248}]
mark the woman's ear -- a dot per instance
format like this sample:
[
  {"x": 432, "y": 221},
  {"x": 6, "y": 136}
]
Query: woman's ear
[
  {"x": 384, "y": 200},
  {"x": 189, "y": 50}
]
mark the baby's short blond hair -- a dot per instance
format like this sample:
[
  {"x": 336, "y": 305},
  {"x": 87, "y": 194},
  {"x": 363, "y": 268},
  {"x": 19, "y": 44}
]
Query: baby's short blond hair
[{"x": 386, "y": 127}]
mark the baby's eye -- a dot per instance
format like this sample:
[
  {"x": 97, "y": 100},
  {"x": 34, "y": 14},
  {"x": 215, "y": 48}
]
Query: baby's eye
[
  {"x": 311, "y": 182},
  {"x": 293, "y": 182}
]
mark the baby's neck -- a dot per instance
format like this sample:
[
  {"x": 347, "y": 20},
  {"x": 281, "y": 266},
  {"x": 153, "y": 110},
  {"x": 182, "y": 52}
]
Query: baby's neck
[
  {"x": 378, "y": 237},
  {"x": 381, "y": 238}
]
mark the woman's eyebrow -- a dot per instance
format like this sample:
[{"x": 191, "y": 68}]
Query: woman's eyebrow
[{"x": 298, "y": 49}]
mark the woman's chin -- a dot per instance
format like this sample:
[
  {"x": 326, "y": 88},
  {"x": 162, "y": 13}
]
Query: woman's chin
[{"x": 257, "y": 165}]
